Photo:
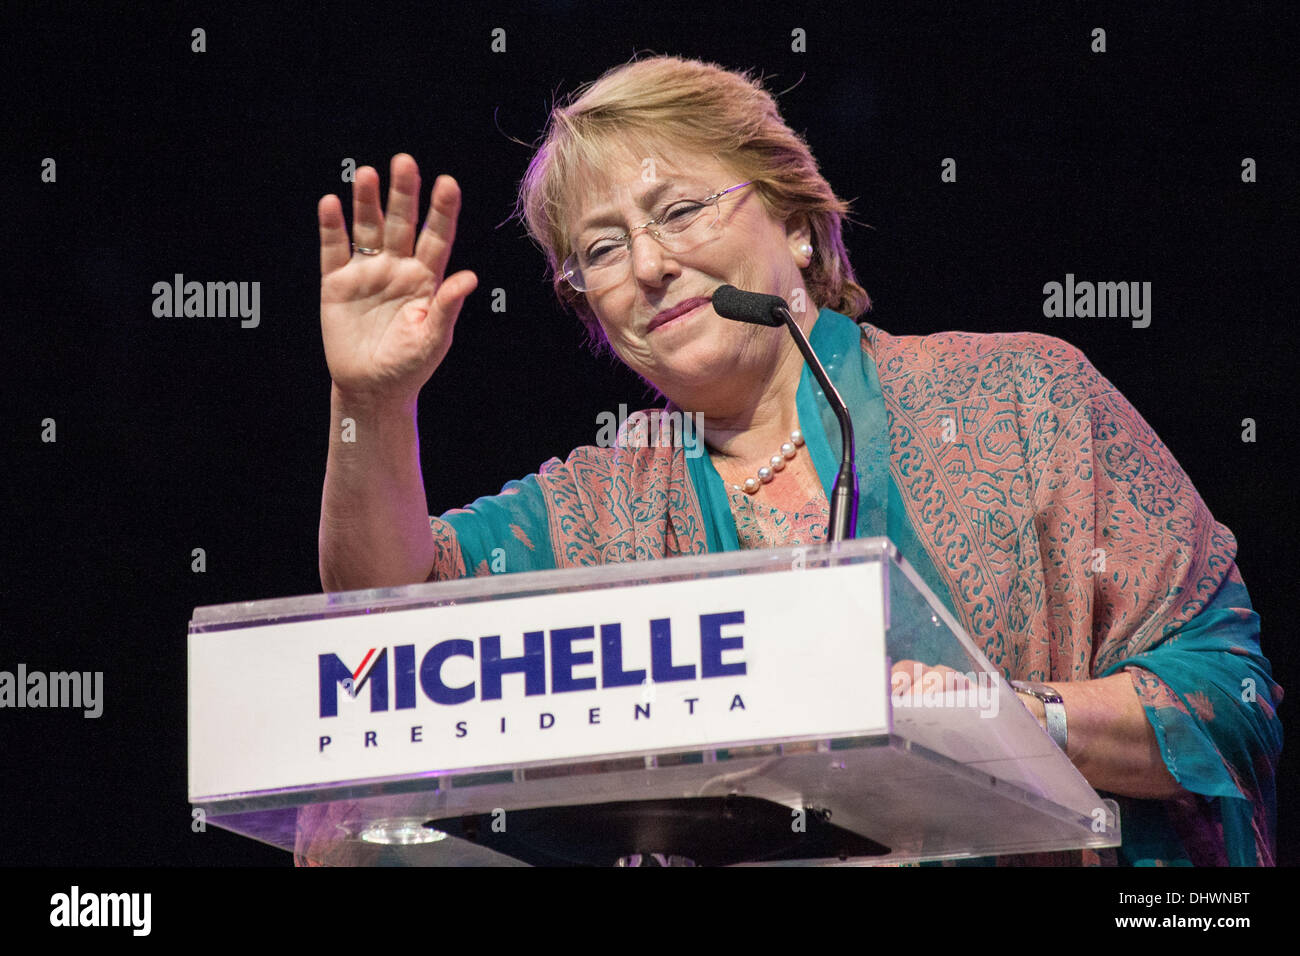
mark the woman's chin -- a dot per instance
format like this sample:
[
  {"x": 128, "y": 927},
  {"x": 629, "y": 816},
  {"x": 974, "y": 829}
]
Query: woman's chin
[{"x": 701, "y": 362}]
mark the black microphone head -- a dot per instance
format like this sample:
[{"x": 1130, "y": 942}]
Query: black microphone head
[{"x": 732, "y": 303}]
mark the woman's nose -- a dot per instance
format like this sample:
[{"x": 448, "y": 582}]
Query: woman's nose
[{"x": 650, "y": 261}]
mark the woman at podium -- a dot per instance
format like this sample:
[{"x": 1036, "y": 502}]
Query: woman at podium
[{"x": 1023, "y": 487}]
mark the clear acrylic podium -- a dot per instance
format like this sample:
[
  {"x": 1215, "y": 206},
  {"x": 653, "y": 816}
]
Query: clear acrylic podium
[{"x": 592, "y": 717}]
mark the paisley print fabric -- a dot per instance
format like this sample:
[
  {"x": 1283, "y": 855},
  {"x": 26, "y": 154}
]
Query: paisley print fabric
[
  {"x": 759, "y": 525},
  {"x": 1078, "y": 547}
]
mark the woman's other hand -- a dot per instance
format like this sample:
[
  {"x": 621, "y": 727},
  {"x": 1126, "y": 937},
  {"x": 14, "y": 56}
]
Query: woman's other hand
[{"x": 908, "y": 677}]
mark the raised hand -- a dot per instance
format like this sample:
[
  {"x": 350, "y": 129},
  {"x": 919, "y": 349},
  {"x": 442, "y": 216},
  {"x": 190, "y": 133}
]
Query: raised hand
[{"x": 387, "y": 317}]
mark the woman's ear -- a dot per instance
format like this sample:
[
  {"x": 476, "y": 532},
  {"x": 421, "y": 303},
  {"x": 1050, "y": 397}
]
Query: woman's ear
[{"x": 798, "y": 234}]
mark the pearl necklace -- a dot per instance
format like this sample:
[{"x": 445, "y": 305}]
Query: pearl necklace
[{"x": 775, "y": 463}]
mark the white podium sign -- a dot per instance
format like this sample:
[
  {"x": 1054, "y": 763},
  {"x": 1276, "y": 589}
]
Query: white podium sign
[{"x": 635, "y": 669}]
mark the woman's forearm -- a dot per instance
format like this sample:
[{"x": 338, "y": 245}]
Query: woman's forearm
[
  {"x": 374, "y": 521},
  {"x": 1109, "y": 738}
]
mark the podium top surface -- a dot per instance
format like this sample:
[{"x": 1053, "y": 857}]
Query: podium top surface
[{"x": 218, "y": 617}]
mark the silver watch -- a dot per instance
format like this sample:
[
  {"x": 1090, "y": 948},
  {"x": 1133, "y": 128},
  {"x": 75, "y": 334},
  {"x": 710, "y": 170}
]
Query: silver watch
[{"x": 1052, "y": 705}]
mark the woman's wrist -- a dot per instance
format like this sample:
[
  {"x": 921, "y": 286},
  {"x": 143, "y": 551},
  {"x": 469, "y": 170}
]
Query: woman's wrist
[
  {"x": 1111, "y": 741},
  {"x": 1035, "y": 706},
  {"x": 371, "y": 403},
  {"x": 1049, "y": 709}
]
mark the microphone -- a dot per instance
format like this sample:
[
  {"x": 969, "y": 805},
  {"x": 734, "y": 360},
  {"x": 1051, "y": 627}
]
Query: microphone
[
  {"x": 771, "y": 310},
  {"x": 754, "y": 307}
]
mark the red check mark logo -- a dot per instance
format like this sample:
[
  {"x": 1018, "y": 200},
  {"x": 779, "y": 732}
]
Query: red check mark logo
[
  {"x": 356, "y": 676},
  {"x": 353, "y": 684}
]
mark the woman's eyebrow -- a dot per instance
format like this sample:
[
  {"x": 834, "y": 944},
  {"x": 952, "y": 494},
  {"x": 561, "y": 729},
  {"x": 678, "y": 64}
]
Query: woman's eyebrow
[{"x": 608, "y": 216}]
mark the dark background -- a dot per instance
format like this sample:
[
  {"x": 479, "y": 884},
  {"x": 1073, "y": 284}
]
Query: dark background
[{"x": 181, "y": 433}]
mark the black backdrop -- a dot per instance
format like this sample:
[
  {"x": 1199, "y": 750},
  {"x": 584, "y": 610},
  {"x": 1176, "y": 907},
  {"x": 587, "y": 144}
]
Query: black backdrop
[{"x": 176, "y": 433}]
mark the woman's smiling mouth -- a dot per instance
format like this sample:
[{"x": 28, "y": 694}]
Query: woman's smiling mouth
[{"x": 678, "y": 311}]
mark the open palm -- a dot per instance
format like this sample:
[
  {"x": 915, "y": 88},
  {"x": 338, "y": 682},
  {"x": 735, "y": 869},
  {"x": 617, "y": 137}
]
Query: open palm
[{"x": 387, "y": 318}]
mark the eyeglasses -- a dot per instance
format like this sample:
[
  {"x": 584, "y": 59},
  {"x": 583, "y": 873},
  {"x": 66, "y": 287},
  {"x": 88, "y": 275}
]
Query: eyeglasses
[{"x": 685, "y": 225}]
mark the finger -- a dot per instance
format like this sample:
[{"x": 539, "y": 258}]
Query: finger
[
  {"x": 400, "y": 215},
  {"x": 452, "y": 293},
  {"x": 958, "y": 679},
  {"x": 900, "y": 677},
  {"x": 335, "y": 251},
  {"x": 433, "y": 248},
  {"x": 367, "y": 219}
]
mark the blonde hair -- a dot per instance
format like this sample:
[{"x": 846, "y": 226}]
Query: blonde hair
[{"x": 693, "y": 106}]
